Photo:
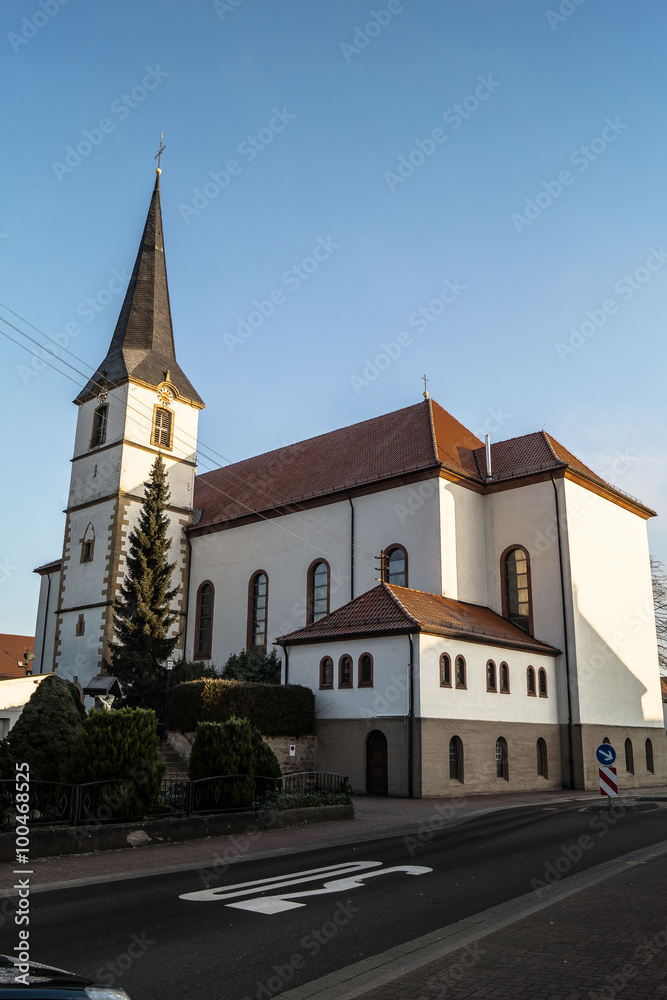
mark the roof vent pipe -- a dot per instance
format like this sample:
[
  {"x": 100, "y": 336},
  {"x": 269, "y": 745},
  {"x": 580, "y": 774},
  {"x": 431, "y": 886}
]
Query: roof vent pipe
[{"x": 489, "y": 476}]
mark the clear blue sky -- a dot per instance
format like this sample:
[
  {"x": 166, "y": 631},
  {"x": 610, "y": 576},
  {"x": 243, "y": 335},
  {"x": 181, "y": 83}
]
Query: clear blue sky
[{"x": 318, "y": 114}]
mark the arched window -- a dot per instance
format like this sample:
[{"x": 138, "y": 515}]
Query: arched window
[
  {"x": 396, "y": 566},
  {"x": 606, "y": 740},
  {"x": 530, "y": 682},
  {"x": 163, "y": 421},
  {"x": 504, "y": 679},
  {"x": 326, "y": 672},
  {"x": 648, "y": 746},
  {"x": 88, "y": 544},
  {"x": 502, "y": 759},
  {"x": 317, "y": 601},
  {"x": 456, "y": 759},
  {"x": 258, "y": 605},
  {"x": 543, "y": 682},
  {"x": 204, "y": 621},
  {"x": 445, "y": 670},
  {"x": 460, "y": 671},
  {"x": 345, "y": 672},
  {"x": 629, "y": 757},
  {"x": 491, "y": 684},
  {"x": 516, "y": 587},
  {"x": 542, "y": 760},
  {"x": 99, "y": 432},
  {"x": 365, "y": 671}
]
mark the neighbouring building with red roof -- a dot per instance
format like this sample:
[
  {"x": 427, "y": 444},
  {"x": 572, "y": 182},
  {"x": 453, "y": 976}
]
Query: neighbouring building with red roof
[
  {"x": 470, "y": 619},
  {"x": 13, "y": 659}
]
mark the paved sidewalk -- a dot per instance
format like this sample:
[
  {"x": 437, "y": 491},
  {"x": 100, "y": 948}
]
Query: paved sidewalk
[
  {"x": 597, "y": 935},
  {"x": 374, "y": 817}
]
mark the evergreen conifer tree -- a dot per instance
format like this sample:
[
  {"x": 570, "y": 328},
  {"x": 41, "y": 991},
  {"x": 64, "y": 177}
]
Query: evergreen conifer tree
[
  {"x": 45, "y": 730},
  {"x": 142, "y": 613}
]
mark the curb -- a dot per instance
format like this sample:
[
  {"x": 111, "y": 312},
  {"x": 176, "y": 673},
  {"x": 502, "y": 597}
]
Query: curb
[
  {"x": 361, "y": 977},
  {"x": 85, "y": 839}
]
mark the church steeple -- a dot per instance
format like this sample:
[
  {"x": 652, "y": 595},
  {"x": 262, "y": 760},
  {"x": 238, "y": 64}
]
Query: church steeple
[{"x": 142, "y": 346}]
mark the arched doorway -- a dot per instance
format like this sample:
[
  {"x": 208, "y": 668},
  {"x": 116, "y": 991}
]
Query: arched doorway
[{"x": 376, "y": 763}]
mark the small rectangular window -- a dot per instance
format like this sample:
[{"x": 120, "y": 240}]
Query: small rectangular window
[
  {"x": 345, "y": 672},
  {"x": 445, "y": 671}
]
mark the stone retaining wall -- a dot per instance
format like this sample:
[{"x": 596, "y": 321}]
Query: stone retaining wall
[
  {"x": 304, "y": 758},
  {"x": 49, "y": 841}
]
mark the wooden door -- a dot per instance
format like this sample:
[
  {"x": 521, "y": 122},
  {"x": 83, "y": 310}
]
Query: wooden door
[{"x": 376, "y": 764}]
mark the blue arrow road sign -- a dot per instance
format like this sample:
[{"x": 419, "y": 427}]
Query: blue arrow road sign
[{"x": 605, "y": 754}]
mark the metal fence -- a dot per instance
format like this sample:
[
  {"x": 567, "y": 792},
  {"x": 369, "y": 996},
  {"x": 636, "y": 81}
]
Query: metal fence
[{"x": 55, "y": 803}]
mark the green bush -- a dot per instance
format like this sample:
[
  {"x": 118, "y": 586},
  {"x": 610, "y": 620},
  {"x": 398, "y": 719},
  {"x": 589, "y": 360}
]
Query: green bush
[
  {"x": 191, "y": 670},
  {"x": 120, "y": 745},
  {"x": 45, "y": 731},
  {"x": 280, "y": 802},
  {"x": 224, "y": 749},
  {"x": 186, "y": 707},
  {"x": 253, "y": 665},
  {"x": 266, "y": 762},
  {"x": 274, "y": 709}
]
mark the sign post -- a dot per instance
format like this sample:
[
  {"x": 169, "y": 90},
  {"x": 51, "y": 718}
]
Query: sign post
[{"x": 606, "y": 756}]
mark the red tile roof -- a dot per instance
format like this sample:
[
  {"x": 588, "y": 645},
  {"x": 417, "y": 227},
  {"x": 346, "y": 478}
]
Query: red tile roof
[
  {"x": 417, "y": 438},
  {"x": 51, "y": 567},
  {"x": 12, "y": 648},
  {"x": 388, "y": 609},
  {"x": 375, "y": 450}
]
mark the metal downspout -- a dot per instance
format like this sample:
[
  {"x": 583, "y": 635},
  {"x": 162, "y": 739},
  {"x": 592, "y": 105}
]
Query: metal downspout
[
  {"x": 411, "y": 717},
  {"x": 187, "y": 598},
  {"x": 286, "y": 653},
  {"x": 349, "y": 500}
]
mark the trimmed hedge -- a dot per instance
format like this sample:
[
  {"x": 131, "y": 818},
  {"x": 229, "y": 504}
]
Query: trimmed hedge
[
  {"x": 122, "y": 745},
  {"x": 225, "y": 750},
  {"x": 186, "y": 708},
  {"x": 274, "y": 709}
]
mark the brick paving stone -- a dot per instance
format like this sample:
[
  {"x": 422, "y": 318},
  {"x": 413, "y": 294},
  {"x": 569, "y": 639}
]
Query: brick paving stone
[{"x": 607, "y": 940}]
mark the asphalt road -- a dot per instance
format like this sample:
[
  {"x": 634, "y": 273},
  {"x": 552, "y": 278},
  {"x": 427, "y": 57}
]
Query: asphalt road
[{"x": 141, "y": 935}]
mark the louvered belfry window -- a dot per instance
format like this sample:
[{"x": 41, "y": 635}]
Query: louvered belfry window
[{"x": 162, "y": 427}]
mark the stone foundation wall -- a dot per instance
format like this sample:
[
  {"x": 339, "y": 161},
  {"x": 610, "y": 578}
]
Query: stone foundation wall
[
  {"x": 479, "y": 757},
  {"x": 341, "y": 747},
  {"x": 304, "y": 759},
  {"x": 587, "y": 738}
]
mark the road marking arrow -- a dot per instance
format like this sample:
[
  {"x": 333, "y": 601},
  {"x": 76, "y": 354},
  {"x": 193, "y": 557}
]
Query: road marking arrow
[{"x": 340, "y": 878}]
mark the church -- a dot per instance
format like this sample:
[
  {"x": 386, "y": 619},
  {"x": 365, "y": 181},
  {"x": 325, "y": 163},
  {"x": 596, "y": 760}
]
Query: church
[{"x": 472, "y": 617}]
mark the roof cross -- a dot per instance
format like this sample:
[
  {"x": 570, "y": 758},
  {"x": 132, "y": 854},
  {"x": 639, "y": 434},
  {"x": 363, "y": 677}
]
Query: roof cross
[
  {"x": 158, "y": 155},
  {"x": 425, "y": 389}
]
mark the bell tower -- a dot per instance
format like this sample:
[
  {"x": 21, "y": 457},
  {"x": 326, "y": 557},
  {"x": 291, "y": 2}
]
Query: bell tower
[{"x": 139, "y": 404}]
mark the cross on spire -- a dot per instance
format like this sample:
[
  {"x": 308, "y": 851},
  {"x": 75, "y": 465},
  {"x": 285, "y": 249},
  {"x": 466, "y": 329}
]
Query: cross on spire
[
  {"x": 158, "y": 155},
  {"x": 425, "y": 389}
]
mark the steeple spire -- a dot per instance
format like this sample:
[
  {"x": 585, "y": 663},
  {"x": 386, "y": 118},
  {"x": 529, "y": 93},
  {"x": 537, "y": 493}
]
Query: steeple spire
[{"x": 142, "y": 346}]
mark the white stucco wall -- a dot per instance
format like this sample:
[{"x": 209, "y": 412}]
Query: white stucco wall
[
  {"x": 45, "y": 628},
  {"x": 285, "y": 548},
  {"x": 99, "y": 477},
  {"x": 388, "y": 698},
  {"x": 465, "y": 566},
  {"x": 14, "y": 693},
  {"x": 475, "y": 702},
  {"x": 527, "y": 517},
  {"x": 616, "y": 664}
]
